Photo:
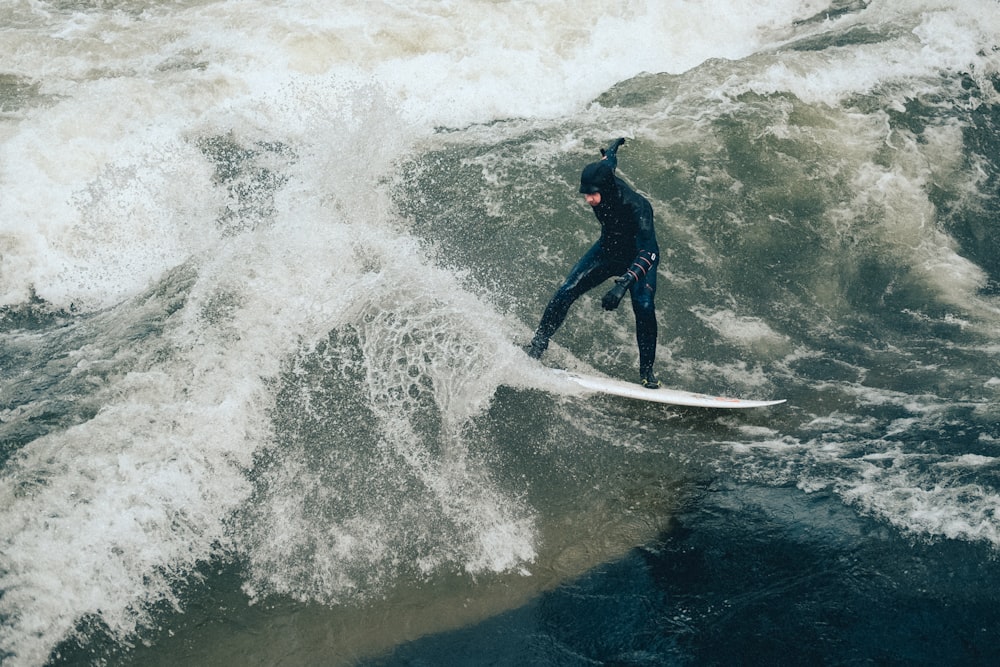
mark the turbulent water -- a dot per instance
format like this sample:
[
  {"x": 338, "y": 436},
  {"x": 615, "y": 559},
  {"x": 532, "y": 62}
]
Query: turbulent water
[{"x": 265, "y": 274}]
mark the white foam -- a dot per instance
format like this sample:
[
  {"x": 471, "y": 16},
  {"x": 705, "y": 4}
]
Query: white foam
[
  {"x": 965, "y": 512},
  {"x": 969, "y": 461},
  {"x": 741, "y": 329},
  {"x": 101, "y": 517},
  {"x": 105, "y": 189},
  {"x": 415, "y": 343},
  {"x": 950, "y": 36},
  {"x": 119, "y": 507}
]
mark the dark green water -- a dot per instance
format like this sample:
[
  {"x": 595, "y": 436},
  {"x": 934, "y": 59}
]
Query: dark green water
[{"x": 264, "y": 400}]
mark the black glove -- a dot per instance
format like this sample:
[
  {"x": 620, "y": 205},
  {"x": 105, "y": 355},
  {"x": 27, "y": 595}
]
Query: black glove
[
  {"x": 613, "y": 147},
  {"x": 615, "y": 294}
]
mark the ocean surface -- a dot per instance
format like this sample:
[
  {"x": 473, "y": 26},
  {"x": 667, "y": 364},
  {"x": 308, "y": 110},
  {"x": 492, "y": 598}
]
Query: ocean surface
[{"x": 267, "y": 268}]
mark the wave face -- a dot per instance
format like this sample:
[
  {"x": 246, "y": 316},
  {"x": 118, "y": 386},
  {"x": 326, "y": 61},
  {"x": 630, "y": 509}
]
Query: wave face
[{"x": 265, "y": 270}]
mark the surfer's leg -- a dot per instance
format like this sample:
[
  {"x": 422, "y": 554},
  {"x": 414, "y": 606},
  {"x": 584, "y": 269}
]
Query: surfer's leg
[
  {"x": 589, "y": 272},
  {"x": 643, "y": 294}
]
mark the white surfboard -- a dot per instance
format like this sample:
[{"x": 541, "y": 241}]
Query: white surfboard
[{"x": 605, "y": 385}]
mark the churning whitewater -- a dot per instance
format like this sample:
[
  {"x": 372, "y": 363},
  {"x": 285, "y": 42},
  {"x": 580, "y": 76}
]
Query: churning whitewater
[{"x": 266, "y": 274}]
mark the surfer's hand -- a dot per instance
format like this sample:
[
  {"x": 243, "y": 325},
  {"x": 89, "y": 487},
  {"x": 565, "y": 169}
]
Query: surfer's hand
[{"x": 615, "y": 294}]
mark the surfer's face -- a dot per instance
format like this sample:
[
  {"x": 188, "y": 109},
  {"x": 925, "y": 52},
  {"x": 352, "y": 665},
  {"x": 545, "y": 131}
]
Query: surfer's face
[{"x": 592, "y": 199}]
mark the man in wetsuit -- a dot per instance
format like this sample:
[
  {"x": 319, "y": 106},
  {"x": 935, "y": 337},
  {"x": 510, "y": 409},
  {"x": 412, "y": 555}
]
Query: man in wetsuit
[{"x": 627, "y": 248}]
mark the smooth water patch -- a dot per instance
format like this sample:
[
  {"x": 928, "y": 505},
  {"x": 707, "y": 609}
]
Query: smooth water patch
[{"x": 750, "y": 575}]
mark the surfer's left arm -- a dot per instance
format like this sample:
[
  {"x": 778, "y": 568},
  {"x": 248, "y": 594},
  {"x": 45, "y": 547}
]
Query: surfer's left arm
[{"x": 611, "y": 152}]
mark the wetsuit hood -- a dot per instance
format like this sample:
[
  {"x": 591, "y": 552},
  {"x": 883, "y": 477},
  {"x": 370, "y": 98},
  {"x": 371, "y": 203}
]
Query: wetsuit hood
[{"x": 598, "y": 177}]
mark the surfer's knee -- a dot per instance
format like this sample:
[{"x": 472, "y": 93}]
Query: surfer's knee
[
  {"x": 643, "y": 304},
  {"x": 566, "y": 295}
]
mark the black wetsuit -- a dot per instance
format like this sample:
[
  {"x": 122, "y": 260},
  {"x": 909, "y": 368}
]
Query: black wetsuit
[{"x": 627, "y": 250}]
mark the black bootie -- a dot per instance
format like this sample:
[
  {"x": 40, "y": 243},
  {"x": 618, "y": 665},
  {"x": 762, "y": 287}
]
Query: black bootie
[{"x": 538, "y": 345}]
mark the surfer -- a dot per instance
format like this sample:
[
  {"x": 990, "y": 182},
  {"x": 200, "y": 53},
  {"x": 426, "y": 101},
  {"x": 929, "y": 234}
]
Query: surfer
[{"x": 627, "y": 249}]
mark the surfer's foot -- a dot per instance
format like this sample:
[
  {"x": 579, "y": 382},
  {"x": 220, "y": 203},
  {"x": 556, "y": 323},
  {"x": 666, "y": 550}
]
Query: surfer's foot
[
  {"x": 649, "y": 381},
  {"x": 537, "y": 347}
]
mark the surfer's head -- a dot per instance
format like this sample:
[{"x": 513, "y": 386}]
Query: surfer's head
[{"x": 597, "y": 182}]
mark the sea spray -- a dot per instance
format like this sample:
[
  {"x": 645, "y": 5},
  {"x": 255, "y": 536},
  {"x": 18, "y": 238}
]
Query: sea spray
[{"x": 252, "y": 341}]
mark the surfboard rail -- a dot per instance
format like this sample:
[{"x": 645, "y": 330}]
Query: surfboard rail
[{"x": 606, "y": 385}]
